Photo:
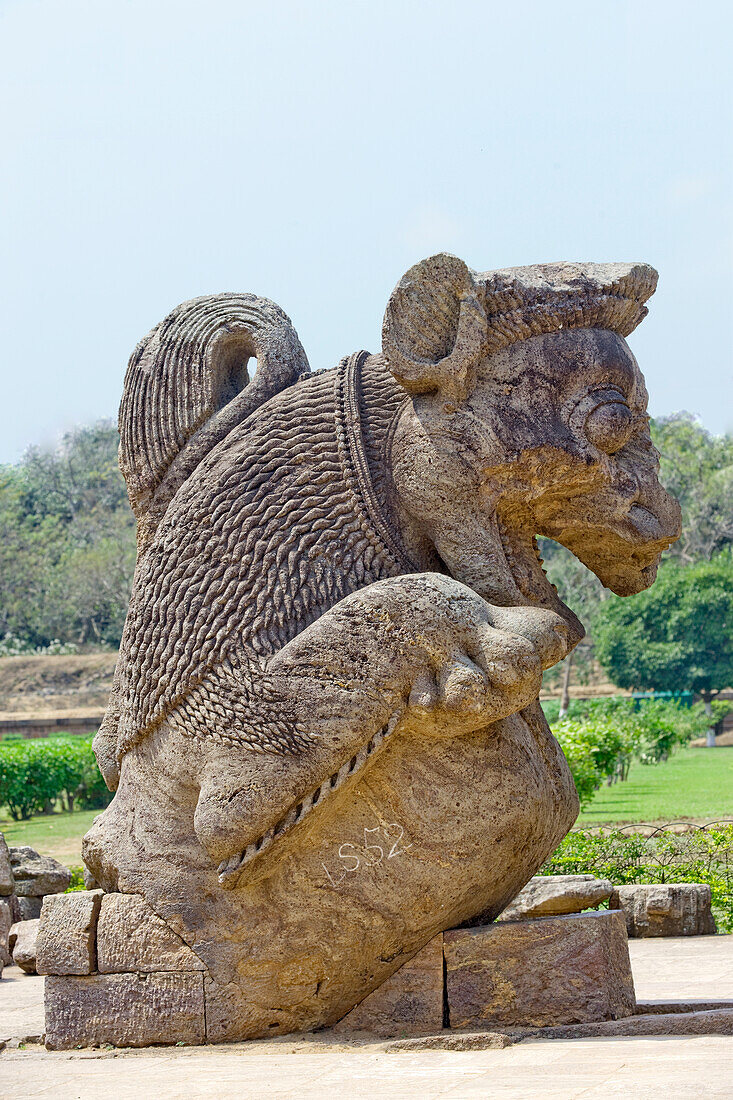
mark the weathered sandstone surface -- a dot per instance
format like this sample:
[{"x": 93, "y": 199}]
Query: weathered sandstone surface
[
  {"x": 324, "y": 733},
  {"x": 667, "y": 909}
]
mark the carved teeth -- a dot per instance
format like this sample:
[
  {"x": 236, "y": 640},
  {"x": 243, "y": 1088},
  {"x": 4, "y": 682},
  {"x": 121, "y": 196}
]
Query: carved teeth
[{"x": 230, "y": 870}]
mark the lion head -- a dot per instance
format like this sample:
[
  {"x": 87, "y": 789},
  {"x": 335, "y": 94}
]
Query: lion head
[{"x": 528, "y": 417}]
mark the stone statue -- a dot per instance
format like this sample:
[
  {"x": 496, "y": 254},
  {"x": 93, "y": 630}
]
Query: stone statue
[{"x": 324, "y": 731}]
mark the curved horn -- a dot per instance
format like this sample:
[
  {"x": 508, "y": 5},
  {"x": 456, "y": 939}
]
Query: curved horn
[{"x": 435, "y": 327}]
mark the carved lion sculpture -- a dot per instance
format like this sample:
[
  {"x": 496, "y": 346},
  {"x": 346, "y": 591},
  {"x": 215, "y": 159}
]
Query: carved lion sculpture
[{"x": 324, "y": 731}]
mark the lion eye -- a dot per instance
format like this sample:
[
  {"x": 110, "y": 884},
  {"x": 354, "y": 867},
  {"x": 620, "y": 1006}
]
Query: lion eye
[{"x": 608, "y": 427}]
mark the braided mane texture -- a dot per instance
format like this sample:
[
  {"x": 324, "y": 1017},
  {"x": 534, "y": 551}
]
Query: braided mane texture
[{"x": 270, "y": 531}]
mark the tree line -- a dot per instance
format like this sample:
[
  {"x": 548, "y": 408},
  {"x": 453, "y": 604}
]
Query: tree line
[
  {"x": 67, "y": 544},
  {"x": 67, "y": 555}
]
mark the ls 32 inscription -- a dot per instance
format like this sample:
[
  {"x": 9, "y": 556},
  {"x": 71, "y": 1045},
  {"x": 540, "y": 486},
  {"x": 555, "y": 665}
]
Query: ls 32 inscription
[{"x": 354, "y": 856}]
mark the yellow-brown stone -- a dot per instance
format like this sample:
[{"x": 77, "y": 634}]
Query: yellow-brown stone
[
  {"x": 408, "y": 1003},
  {"x": 554, "y": 970}
]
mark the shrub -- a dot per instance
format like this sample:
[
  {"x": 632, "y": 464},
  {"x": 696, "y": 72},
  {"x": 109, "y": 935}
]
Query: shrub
[
  {"x": 10, "y": 646},
  {"x": 36, "y": 774},
  {"x": 587, "y": 757},
  {"x": 601, "y": 737},
  {"x": 701, "y": 855},
  {"x": 29, "y": 779},
  {"x": 77, "y": 880}
]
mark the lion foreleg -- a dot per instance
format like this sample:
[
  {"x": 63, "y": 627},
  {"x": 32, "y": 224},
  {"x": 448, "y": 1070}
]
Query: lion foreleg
[{"x": 421, "y": 651}]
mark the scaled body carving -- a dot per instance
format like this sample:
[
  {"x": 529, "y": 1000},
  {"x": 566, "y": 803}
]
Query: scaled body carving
[{"x": 324, "y": 733}]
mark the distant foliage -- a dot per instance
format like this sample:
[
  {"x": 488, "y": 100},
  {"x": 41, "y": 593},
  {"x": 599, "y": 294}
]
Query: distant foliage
[
  {"x": 14, "y": 647},
  {"x": 35, "y": 775},
  {"x": 67, "y": 544},
  {"x": 697, "y": 468},
  {"x": 678, "y": 635},
  {"x": 601, "y": 738},
  {"x": 77, "y": 881},
  {"x": 701, "y": 855}
]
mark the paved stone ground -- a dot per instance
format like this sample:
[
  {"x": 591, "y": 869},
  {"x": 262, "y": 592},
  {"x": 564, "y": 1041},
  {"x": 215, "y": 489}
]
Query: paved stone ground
[{"x": 314, "y": 1067}]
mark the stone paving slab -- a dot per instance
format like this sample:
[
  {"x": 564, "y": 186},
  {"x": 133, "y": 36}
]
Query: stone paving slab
[
  {"x": 683, "y": 968},
  {"x": 21, "y": 1003},
  {"x": 659, "y": 1068},
  {"x": 645, "y": 1069}
]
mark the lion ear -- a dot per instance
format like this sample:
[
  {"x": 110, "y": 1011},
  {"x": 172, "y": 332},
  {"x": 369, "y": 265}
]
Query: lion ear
[{"x": 435, "y": 327}]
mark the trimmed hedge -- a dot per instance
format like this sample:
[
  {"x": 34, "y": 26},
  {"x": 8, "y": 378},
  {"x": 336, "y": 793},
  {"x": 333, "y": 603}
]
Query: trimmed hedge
[
  {"x": 35, "y": 774},
  {"x": 700, "y": 855},
  {"x": 601, "y": 738}
]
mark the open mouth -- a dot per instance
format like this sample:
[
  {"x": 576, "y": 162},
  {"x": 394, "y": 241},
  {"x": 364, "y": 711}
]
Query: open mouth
[
  {"x": 625, "y": 555},
  {"x": 529, "y": 579}
]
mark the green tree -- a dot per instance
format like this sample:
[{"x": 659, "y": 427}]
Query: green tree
[
  {"x": 697, "y": 468},
  {"x": 78, "y": 479},
  {"x": 676, "y": 636},
  {"x": 67, "y": 542},
  {"x": 583, "y": 592}
]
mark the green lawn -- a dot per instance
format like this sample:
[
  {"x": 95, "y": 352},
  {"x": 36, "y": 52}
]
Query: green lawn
[
  {"x": 693, "y": 785},
  {"x": 58, "y": 835}
]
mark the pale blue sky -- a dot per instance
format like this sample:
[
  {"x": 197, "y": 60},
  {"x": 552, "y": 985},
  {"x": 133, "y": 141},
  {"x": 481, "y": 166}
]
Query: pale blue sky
[{"x": 311, "y": 152}]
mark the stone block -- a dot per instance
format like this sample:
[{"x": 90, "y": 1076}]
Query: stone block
[
  {"x": 7, "y": 885},
  {"x": 554, "y": 970},
  {"x": 36, "y": 875},
  {"x": 131, "y": 937},
  {"x": 556, "y": 895},
  {"x": 671, "y": 909},
  {"x": 6, "y": 922},
  {"x": 14, "y": 902},
  {"x": 410, "y": 1002},
  {"x": 124, "y": 1010},
  {"x": 29, "y": 908},
  {"x": 67, "y": 933},
  {"x": 90, "y": 883},
  {"x": 22, "y": 941}
]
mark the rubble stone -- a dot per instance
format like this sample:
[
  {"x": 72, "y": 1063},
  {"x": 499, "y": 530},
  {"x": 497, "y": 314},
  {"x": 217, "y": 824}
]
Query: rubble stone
[
  {"x": 36, "y": 875},
  {"x": 6, "y": 923},
  {"x": 67, "y": 933},
  {"x": 556, "y": 895},
  {"x": 29, "y": 908},
  {"x": 22, "y": 940},
  {"x": 7, "y": 884},
  {"x": 667, "y": 909},
  {"x": 552, "y": 970}
]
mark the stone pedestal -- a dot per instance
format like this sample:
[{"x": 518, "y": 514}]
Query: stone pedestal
[
  {"x": 671, "y": 909},
  {"x": 554, "y": 970},
  {"x": 125, "y": 1010},
  {"x": 408, "y": 1003},
  {"x": 117, "y": 973}
]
